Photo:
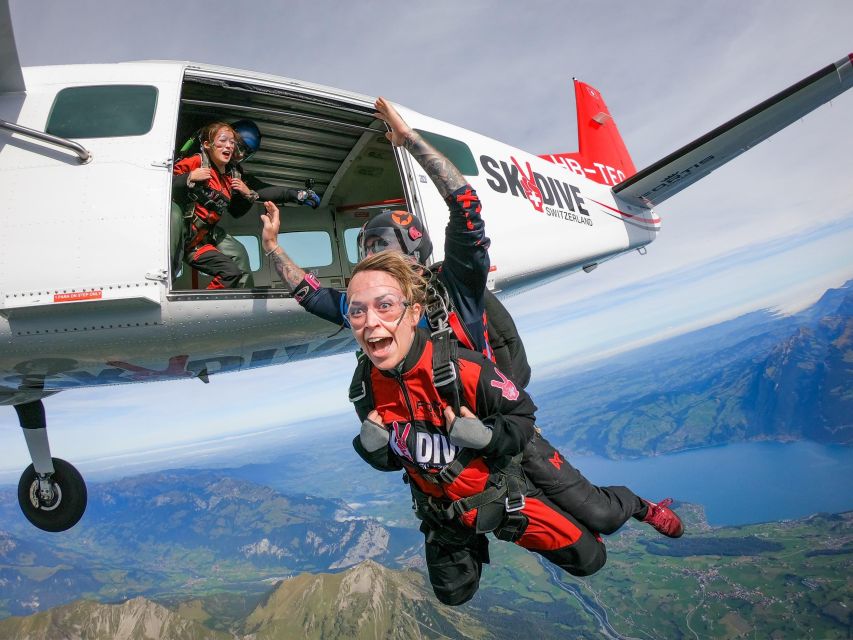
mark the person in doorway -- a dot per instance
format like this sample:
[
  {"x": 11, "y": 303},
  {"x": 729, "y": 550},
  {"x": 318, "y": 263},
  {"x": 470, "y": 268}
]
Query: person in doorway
[
  {"x": 213, "y": 181},
  {"x": 208, "y": 187}
]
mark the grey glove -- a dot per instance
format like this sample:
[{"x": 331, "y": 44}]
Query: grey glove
[
  {"x": 373, "y": 436},
  {"x": 469, "y": 433}
]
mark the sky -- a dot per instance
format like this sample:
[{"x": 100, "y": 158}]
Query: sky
[{"x": 772, "y": 228}]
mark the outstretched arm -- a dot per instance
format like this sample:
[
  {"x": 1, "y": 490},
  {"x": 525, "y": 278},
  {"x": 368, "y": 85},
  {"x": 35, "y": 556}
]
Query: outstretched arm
[
  {"x": 324, "y": 302},
  {"x": 466, "y": 247},
  {"x": 442, "y": 172},
  {"x": 287, "y": 269}
]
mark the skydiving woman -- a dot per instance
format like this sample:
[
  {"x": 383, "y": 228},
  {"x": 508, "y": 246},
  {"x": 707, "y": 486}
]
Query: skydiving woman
[
  {"x": 463, "y": 276},
  {"x": 463, "y": 463}
]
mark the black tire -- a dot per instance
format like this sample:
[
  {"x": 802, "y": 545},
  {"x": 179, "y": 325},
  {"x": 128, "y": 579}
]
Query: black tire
[{"x": 70, "y": 503}]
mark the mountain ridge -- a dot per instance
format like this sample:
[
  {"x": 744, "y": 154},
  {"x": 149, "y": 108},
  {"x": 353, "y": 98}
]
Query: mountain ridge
[{"x": 762, "y": 376}]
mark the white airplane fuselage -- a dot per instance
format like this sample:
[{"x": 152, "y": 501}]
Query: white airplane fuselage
[{"x": 88, "y": 295}]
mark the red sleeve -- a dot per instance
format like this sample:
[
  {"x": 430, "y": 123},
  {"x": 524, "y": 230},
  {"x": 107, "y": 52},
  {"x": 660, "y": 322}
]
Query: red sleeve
[
  {"x": 469, "y": 373},
  {"x": 186, "y": 165}
]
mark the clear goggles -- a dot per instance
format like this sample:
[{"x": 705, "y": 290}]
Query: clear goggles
[
  {"x": 388, "y": 307},
  {"x": 224, "y": 140}
]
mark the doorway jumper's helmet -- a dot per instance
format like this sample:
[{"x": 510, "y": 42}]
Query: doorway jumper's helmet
[
  {"x": 397, "y": 230},
  {"x": 249, "y": 138}
]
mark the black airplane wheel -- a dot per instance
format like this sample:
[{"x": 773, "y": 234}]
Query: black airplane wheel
[{"x": 64, "y": 504}]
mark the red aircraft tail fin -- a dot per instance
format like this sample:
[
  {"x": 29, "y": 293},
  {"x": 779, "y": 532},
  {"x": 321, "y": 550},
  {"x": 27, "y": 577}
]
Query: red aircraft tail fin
[{"x": 602, "y": 155}]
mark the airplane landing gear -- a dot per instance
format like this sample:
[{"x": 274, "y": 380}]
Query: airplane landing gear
[
  {"x": 53, "y": 502},
  {"x": 51, "y": 492}
]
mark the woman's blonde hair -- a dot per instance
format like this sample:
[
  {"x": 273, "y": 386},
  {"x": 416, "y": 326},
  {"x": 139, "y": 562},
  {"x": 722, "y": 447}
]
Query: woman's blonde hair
[{"x": 407, "y": 273}]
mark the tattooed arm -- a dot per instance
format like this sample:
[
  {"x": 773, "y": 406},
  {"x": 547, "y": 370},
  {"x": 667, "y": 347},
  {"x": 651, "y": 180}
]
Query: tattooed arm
[
  {"x": 287, "y": 268},
  {"x": 442, "y": 172},
  {"x": 324, "y": 302}
]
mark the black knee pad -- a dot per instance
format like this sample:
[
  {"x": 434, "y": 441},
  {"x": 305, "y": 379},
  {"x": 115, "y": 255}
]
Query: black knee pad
[
  {"x": 457, "y": 597},
  {"x": 454, "y": 571},
  {"x": 231, "y": 273},
  {"x": 593, "y": 564},
  {"x": 600, "y": 518}
]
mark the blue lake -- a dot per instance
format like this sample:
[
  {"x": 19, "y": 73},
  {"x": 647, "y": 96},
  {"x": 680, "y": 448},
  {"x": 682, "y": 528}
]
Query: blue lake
[{"x": 740, "y": 483}]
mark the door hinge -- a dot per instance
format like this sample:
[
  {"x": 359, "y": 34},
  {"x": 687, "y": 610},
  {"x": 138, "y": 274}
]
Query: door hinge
[
  {"x": 166, "y": 164},
  {"x": 160, "y": 275}
]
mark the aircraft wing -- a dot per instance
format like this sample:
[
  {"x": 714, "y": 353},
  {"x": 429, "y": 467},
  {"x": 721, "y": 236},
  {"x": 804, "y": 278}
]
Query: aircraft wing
[
  {"x": 11, "y": 78},
  {"x": 668, "y": 176}
]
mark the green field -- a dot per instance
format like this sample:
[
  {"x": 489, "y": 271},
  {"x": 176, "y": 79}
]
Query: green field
[{"x": 788, "y": 580}]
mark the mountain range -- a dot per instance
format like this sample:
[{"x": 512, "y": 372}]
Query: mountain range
[
  {"x": 194, "y": 553},
  {"x": 367, "y": 601},
  {"x": 186, "y": 531},
  {"x": 781, "y": 580},
  {"x": 762, "y": 376}
]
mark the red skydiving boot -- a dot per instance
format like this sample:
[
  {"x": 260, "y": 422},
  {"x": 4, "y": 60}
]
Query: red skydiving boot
[{"x": 664, "y": 519}]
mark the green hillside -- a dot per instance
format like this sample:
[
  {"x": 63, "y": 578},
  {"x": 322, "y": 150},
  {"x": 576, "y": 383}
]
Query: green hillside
[{"x": 775, "y": 580}]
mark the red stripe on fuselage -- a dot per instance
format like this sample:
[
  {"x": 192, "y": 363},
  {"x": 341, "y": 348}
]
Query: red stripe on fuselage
[{"x": 627, "y": 215}]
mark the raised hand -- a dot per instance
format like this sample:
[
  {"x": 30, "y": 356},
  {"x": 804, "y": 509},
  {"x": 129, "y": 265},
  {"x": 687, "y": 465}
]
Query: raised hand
[
  {"x": 388, "y": 114},
  {"x": 272, "y": 224}
]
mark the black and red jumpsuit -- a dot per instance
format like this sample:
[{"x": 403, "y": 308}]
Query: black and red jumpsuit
[
  {"x": 200, "y": 248},
  {"x": 464, "y": 273},
  {"x": 412, "y": 409}
]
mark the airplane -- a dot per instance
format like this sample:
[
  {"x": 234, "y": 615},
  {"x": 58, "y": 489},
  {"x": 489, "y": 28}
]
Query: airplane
[{"x": 90, "y": 290}]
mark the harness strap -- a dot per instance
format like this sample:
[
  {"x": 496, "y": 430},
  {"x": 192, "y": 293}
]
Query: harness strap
[
  {"x": 509, "y": 486},
  {"x": 450, "y": 471},
  {"x": 464, "y": 505},
  {"x": 444, "y": 367},
  {"x": 360, "y": 390},
  {"x": 441, "y": 312},
  {"x": 512, "y": 528},
  {"x": 206, "y": 197}
]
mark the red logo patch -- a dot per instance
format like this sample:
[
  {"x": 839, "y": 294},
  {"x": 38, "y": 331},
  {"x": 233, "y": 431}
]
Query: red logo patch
[
  {"x": 528, "y": 183},
  {"x": 556, "y": 460}
]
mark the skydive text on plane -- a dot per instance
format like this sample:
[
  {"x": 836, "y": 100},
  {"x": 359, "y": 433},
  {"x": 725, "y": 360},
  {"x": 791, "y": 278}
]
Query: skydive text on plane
[{"x": 506, "y": 177}]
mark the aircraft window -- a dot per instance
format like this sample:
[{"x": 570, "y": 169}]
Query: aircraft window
[
  {"x": 307, "y": 248},
  {"x": 253, "y": 249},
  {"x": 457, "y": 152},
  {"x": 108, "y": 111},
  {"x": 351, "y": 243}
]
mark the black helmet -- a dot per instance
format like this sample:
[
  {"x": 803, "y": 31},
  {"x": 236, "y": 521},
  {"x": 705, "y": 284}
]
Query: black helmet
[
  {"x": 250, "y": 138},
  {"x": 398, "y": 230}
]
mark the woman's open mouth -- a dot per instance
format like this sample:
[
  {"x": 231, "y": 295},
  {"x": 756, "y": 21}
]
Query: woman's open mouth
[{"x": 379, "y": 347}]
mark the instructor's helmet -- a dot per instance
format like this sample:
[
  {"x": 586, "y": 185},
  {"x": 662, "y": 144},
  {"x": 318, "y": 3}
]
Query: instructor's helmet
[
  {"x": 395, "y": 230},
  {"x": 249, "y": 138}
]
